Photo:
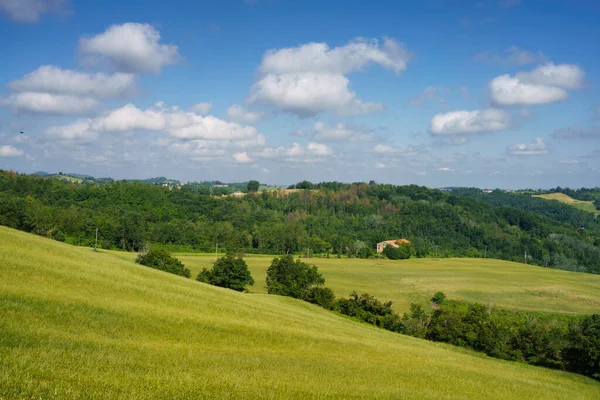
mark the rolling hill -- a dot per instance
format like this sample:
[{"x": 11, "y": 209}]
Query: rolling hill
[
  {"x": 587, "y": 206},
  {"x": 79, "y": 324}
]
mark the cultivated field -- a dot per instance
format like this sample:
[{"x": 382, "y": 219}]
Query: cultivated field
[
  {"x": 505, "y": 284},
  {"x": 563, "y": 198},
  {"x": 79, "y": 324}
]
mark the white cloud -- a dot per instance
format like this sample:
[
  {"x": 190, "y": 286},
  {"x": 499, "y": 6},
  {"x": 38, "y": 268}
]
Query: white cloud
[
  {"x": 238, "y": 113},
  {"x": 78, "y": 131},
  {"x": 242, "y": 158},
  {"x": 202, "y": 108},
  {"x": 29, "y": 10},
  {"x": 320, "y": 58},
  {"x": 49, "y": 103},
  {"x": 309, "y": 93},
  {"x": 445, "y": 169},
  {"x": 379, "y": 165},
  {"x": 545, "y": 84},
  {"x": 577, "y": 132},
  {"x": 10, "y": 151},
  {"x": 54, "y": 80},
  {"x": 175, "y": 122},
  {"x": 406, "y": 151},
  {"x": 319, "y": 149},
  {"x": 513, "y": 56},
  {"x": 430, "y": 93},
  {"x": 309, "y": 79},
  {"x": 537, "y": 147},
  {"x": 340, "y": 132},
  {"x": 470, "y": 122},
  {"x": 131, "y": 47}
]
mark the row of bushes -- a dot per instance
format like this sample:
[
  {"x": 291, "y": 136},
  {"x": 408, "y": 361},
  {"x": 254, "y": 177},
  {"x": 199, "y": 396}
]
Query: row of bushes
[{"x": 566, "y": 343}]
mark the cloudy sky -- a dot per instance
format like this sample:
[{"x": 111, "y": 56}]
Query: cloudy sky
[{"x": 490, "y": 93}]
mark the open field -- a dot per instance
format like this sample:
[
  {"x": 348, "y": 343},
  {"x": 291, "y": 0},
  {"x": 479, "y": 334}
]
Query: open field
[
  {"x": 79, "y": 324},
  {"x": 508, "y": 285},
  {"x": 563, "y": 198}
]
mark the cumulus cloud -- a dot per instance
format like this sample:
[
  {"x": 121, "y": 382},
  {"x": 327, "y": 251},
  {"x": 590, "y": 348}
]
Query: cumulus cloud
[
  {"x": 320, "y": 58},
  {"x": 49, "y": 103},
  {"x": 340, "y": 132},
  {"x": 297, "y": 153},
  {"x": 470, "y": 122},
  {"x": 202, "y": 108},
  {"x": 239, "y": 113},
  {"x": 308, "y": 94},
  {"x": 131, "y": 47},
  {"x": 29, "y": 10},
  {"x": 310, "y": 78},
  {"x": 535, "y": 148},
  {"x": 10, "y": 151},
  {"x": 577, "y": 132},
  {"x": 54, "y": 80},
  {"x": 546, "y": 84},
  {"x": 242, "y": 158},
  {"x": 395, "y": 150},
  {"x": 512, "y": 56},
  {"x": 175, "y": 122}
]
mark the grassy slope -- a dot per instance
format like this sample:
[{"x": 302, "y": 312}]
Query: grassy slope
[
  {"x": 563, "y": 198},
  {"x": 78, "y": 324},
  {"x": 509, "y": 285}
]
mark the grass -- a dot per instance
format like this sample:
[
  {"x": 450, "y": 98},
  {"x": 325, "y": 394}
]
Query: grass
[
  {"x": 82, "y": 325},
  {"x": 508, "y": 285},
  {"x": 579, "y": 204}
]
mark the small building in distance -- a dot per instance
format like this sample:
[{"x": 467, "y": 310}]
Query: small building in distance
[
  {"x": 237, "y": 193},
  {"x": 394, "y": 243}
]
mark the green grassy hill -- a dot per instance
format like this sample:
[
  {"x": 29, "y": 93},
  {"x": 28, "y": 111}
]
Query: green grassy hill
[
  {"x": 79, "y": 324},
  {"x": 563, "y": 198},
  {"x": 505, "y": 284}
]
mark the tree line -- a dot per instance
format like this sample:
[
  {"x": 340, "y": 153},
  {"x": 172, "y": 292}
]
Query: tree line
[{"x": 329, "y": 219}]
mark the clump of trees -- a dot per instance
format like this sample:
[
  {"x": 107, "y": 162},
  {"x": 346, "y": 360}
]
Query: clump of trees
[
  {"x": 228, "y": 272},
  {"x": 403, "y": 252},
  {"x": 293, "y": 278},
  {"x": 162, "y": 260}
]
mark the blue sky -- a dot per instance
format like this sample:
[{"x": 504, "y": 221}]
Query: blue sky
[{"x": 491, "y": 93}]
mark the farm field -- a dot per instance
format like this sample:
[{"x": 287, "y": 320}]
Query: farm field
[
  {"x": 79, "y": 324},
  {"x": 505, "y": 284},
  {"x": 563, "y": 198}
]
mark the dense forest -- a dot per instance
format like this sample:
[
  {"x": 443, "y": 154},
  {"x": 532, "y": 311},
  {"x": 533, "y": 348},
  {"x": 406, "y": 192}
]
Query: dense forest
[{"x": 332, "y": 219}]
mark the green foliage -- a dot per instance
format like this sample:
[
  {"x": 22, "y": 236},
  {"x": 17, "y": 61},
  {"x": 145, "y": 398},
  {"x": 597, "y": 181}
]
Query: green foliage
[
  {"x": 370, "y": 310},
  {"x": 162, "y": 260},
  {"x": 228, "y": 272},
  {"x": 582, "y": 354},
  {"x": 287, "y": 277},
  {"x": 438, "y": 298},
  {"x": 253, "y": 186},
  {"x": 597, "y": 203},
  {"x": 321, "y": 296},
  {"x": 403, "y": 252}
]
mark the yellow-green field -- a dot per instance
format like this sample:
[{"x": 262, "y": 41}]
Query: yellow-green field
[
  {"x": 563, "y": 198},
  {"x": 75, "y": 324},
  {"x": 505, "y": 284}
]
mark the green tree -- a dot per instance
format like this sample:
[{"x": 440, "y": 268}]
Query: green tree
[
  {"x": 582, "y": 354},
  {"x": 253, "y": 186},
  {"x": 228, "y": 272},
  {"x": 597, "y": 203},
  {"x": 287, "y": 277},
  {"x": 162, "y": 260},
  {"x": 321, "y": 296}
]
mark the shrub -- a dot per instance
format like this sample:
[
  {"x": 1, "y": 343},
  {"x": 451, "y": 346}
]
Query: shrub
[
  {"x": 162, "y": 260},
  {"x": 287, "y": 277},
  {"x": 321, "y": 296},
  {"x": 438, "y": 298},
  {"x": 582, "y": 354},
  {"x": 228, "y": 272},
  {"x": 402, "y": 252}
]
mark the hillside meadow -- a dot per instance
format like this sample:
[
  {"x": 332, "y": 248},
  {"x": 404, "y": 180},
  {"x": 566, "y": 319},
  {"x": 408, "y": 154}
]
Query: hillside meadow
[
  {"x": 512, "y": 286},
  {"x": 587, "y": 206},
  {"x": 84, "y": 325}
]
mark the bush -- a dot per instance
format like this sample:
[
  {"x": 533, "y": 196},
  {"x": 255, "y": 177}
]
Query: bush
[
  {"x": 287, "y": 277},
  {"x": 228, "y": 272},
  {"x": 582, "y": 354},
  {"x": 402, "y": 252},
  {"x": 438, "y": 298},
  {"x": 162, "y": 260},
  {"x": 321, "y": 296},
  {"x": 368, "y": 309}
]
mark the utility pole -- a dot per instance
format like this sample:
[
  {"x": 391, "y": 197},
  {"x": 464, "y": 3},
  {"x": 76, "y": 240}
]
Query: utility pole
[
  {"x": 485, "y": 252},
  {"x": 96, "y": 242},
  {"x": 525, "y": 256}
]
